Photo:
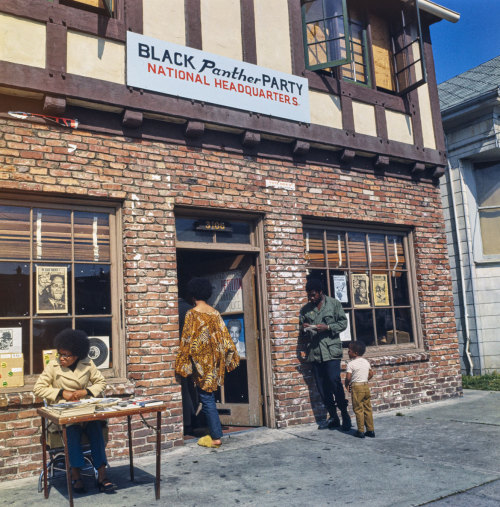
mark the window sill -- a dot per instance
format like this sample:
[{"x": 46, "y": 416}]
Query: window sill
[
  {"x": 23, "y": 396},
  {"x": 394, "y": 357}
]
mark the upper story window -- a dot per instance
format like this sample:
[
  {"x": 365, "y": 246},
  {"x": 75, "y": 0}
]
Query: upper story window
[
  {"x": 487, "y": 176},
  {"x": 101, "y": 6},
  {"x": 362, "y": 41}
]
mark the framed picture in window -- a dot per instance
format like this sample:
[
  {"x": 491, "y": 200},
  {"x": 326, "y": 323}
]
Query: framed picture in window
[
  {"x": 360, "y": 290},
  {"x": 380, "y": 291},
  {"x": 236, "y": 328},
  {"x": 340, "y": 288},
  {"x": 51, "y": 289},
  {"x": 11, "y": 339}
]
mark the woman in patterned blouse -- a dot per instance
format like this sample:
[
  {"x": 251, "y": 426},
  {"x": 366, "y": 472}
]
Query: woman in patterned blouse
[{"x": 207, "y": 352}]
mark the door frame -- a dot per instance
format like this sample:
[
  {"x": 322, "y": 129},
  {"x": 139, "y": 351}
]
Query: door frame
[{"x": 256, "y": 247}]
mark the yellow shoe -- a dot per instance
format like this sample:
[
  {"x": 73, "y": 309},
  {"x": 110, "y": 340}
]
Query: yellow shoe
[{"x": 207, "y": 441}]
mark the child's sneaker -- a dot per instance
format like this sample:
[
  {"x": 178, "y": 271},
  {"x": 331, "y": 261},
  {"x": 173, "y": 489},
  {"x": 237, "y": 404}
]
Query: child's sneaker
[
  {"x": 370, "y": 434},
  {"x": 359, "y": 434}
]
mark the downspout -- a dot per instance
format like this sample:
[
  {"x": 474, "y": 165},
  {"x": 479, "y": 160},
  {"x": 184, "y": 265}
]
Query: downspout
[
  {"x": 460, "y": 263},
  {"x": 472, "y": 273}
]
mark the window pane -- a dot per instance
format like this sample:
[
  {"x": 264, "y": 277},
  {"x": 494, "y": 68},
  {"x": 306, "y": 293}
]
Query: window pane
[
  {"x": 376, "y": 249},
  {"x": 488, "y": 184},
  {"x": 315, "y": 254},
  {"x": 240, "y": 233},
  {"x": 14, "y": 232},
  {"x": 51, "y": 234},
  {"x": 91, "y": 236},
  {"x": 313, "y": 10},
  {"x": 236, "y": 384},
  {"x": 15, "y": 338},
  {"x": 384, "y": 324},
  {"x": 52, "y": 289},
  {"x": 101, "y": 344},
  {"x": 397, "y": 259},
  {"x": 44, "y": 332},
  {"x": 399, "y": 281},
  {"x": 490, "y": 230},
  {"x": 335, "y": 244},
  {"x": 92, "y": 289},
  {"x": 364, "y": 327},
  {"x": 15, "y": 289},
  {"x": 185, "y": 231},
  {"x": 357, "y": 250},
  {"x": 403, "y": 326}
]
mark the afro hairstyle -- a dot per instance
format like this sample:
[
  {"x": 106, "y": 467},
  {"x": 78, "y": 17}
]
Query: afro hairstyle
[
  {"x": 199, "y": 289},
  {"x": 74, "y": 340},
  {"x": 314, "y": 284}
]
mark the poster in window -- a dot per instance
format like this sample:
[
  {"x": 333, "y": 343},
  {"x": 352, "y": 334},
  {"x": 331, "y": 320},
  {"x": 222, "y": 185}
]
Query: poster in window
[
  {"x": 235, "y": 326},
  {"x": 51, "y": 289},
  {"x": 340, "y": 288},
  {"x": 227, "y": 293},
  {"x": 380, "y": 290},
  {"x": 360, "y": 293},
  {"x": 99, "y": 350},
  {"x": 345, "y": 335},
  {"x": 11, "y": 340}
]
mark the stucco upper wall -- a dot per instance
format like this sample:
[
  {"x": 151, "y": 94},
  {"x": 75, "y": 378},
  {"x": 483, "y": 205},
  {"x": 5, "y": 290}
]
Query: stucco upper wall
[
  {"x": 22, "y": 41},
  {"x": 95, "y": 57},
  {"x": 221, "y": 28},
  {"x": 272, "y": 33},
  {"x": 170, "y": 26}
]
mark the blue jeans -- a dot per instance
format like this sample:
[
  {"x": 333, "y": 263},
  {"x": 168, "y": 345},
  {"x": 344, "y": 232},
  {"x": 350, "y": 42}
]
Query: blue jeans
[
  {"x": 209, "y": 410},
  {"x": 93, "y": 431}
]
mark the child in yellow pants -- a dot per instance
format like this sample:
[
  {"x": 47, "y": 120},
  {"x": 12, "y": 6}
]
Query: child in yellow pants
[{"x": 359, "y": 372}]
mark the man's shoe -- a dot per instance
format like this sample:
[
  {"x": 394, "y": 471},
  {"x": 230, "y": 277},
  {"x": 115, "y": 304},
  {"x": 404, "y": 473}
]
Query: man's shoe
[
  {"x": 323, "y": 425},
  {"x": 334, "y": 422},
  {"x": 346, "y": 422},
  {"x": 359, "y": 434},
  {"x": 370, "y": 434}
]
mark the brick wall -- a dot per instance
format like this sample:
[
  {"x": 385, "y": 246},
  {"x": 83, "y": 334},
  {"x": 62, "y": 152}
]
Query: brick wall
[{"x": 148, "y": 178}]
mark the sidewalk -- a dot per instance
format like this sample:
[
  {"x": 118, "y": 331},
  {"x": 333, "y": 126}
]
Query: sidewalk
[{"x": 447, "y": 453}]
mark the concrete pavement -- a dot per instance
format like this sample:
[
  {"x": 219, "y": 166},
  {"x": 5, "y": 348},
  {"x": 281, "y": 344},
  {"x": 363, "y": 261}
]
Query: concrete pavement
[{"x": 445, "y": 453}]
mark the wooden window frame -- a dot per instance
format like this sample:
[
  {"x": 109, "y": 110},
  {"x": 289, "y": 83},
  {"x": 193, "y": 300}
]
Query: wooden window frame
[
  {"x": 109, "y": 7},
  {"x": 117, "y": 371},
  {"x": 413, "y": 306}
]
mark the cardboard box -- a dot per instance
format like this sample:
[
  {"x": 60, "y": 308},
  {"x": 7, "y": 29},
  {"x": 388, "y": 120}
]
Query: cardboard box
[{"x": 11, "y": 370}]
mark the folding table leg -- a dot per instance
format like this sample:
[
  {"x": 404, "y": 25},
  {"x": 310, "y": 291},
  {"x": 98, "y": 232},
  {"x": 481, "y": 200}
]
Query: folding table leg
[
  {"x": 158, "y": 453},
  {"x": 130, "y": 451},
  {"x": 66, "y": 458},
  {"x": 44, "y": 458}
]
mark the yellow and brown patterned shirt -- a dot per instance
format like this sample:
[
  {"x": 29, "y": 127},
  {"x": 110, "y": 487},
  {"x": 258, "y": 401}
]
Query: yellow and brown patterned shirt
[{"x": 206, "y": 350}]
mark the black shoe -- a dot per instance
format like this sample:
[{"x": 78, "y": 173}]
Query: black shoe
[
  {"x": 359, "y": 434},
  {"x": 334, "y": 422},
  {"x": 346, "y": 421},
  {"x": 370, "y": 434}
]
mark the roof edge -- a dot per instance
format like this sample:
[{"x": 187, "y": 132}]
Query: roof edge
[{"x": 438, "y": 10}]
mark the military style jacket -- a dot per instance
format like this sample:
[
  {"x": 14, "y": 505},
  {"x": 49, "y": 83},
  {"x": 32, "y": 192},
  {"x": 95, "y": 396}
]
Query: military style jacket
[{"x": 325, "y": 345}]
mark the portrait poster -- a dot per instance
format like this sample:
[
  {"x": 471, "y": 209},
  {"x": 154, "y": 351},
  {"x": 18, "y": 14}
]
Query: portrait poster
[
  {"x": 380, "y": 290},
  {"x": 360, "y": 290},
  {"x": 51, "y": 289},
  {"x": 345, "y": 335},
  {"x": 11, "y": 340},
  {"x": 236, "y": 327},
  {"x": 227, "y": 293},
  {"x": 99, "y": 351},
  {"x": 340, "y": 288}
]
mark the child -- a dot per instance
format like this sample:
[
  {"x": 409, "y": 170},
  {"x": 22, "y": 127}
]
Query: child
[{"x": 358, "y": 374}]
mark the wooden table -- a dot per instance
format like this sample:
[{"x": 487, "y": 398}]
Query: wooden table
[{"x": 46, "y": 414}]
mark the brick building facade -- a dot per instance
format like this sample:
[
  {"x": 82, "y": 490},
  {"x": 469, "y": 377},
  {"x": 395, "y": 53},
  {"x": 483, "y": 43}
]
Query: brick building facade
[{"x": 132, "y": 203}]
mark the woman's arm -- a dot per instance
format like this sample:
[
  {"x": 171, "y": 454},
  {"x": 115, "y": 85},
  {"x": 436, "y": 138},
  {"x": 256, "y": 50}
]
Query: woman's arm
[{"x": 44, "y": 386}]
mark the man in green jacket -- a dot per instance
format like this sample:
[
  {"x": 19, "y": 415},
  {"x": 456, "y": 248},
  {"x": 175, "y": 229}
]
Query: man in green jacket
[{"x": 321, "y": 321}]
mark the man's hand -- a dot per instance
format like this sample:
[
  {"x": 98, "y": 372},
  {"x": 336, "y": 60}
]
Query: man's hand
[{"x": 322, "y": 327}]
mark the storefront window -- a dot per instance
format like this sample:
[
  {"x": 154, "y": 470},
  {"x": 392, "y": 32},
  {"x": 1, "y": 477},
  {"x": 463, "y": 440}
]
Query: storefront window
[
  {"x": 55, "y": 273},
  {"x": 367, "y": 271}
]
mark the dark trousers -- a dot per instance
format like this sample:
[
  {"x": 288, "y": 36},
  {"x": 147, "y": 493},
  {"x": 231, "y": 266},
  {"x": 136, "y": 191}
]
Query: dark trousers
[
  {"x": 93, "y": 429},
  {"x": 331, "y": 390}
]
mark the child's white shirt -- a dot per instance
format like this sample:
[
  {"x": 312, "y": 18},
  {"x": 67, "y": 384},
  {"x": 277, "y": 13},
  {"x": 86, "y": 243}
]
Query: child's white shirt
[{"x": 359, "y": 368}]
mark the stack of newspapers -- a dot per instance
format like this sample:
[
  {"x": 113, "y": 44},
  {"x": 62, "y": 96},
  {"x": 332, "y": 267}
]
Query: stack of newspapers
[{"x": 73, "y": 408}]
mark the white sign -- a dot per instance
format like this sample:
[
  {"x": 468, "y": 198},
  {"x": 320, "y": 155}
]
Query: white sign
[
  {"x": 164, "y": 67},
  {"x": 345, "y": 335},
  {"x": 287, "y": 185},
  {"x": 227, "y": 293}
]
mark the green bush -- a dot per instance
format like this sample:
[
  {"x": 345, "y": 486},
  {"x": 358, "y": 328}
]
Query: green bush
[{"x": 489, "y": 382}]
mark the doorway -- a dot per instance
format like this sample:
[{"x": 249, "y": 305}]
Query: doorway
[{"x": 232, "y": 274}]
